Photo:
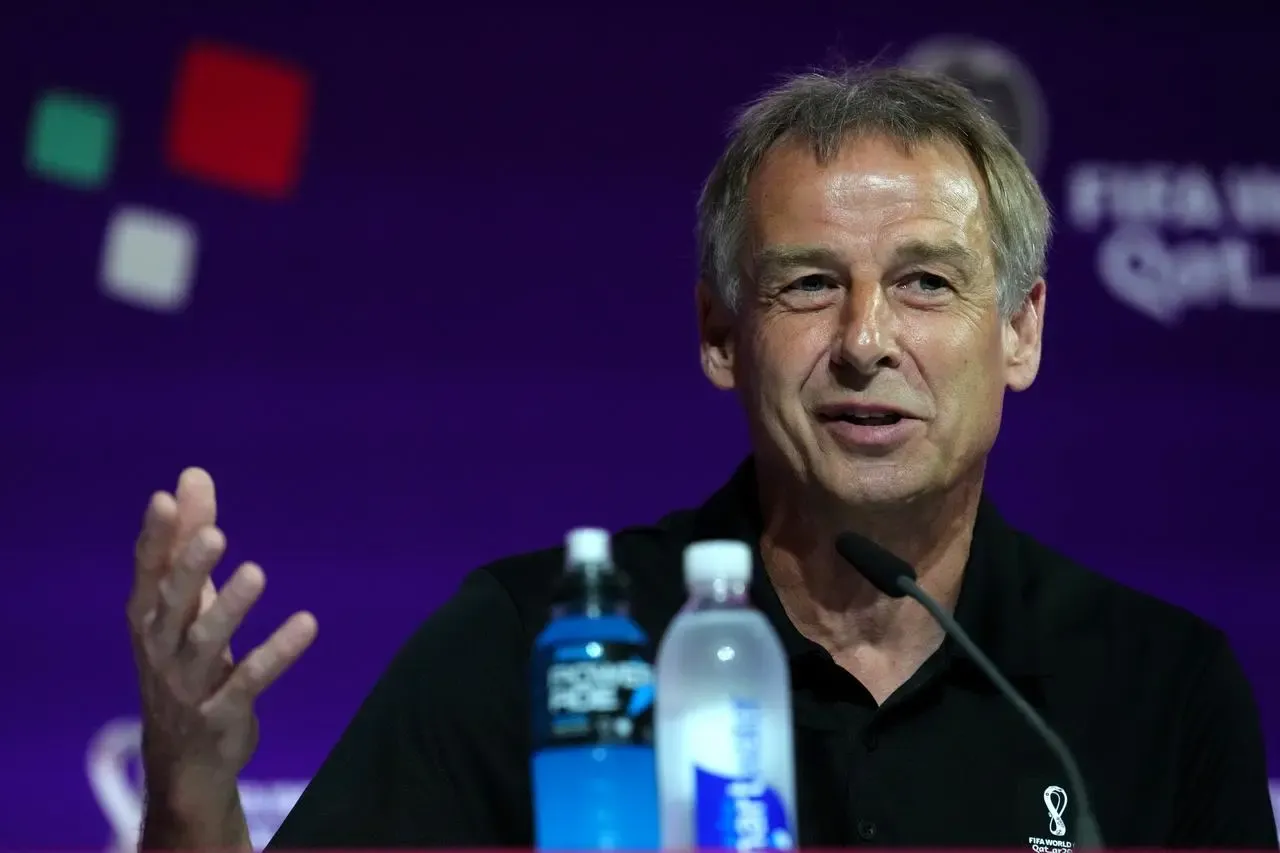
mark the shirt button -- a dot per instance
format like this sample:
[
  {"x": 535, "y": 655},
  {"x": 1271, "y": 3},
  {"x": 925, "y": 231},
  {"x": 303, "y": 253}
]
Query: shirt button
[
  {"x": 866, "y": 830},
  {"x": 871, "y": 740}
]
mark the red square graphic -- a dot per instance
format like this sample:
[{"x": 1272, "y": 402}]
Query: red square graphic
[{"x": 239, "y": 120}]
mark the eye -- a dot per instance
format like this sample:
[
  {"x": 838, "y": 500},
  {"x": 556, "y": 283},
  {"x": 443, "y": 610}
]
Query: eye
[
  {"x": 811, "y": 284},
  {"x": 927, "y": 282}
]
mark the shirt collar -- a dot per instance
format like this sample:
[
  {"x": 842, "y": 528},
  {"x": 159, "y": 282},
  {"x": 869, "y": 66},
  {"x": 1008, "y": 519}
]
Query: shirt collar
[{"x": 994, "y": 606}]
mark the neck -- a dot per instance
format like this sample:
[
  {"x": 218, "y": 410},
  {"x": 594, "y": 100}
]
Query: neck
[{"x": 828, "y": 600}]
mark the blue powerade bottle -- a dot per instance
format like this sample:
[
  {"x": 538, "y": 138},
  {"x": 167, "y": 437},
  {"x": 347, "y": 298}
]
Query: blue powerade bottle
[{"x": 594, "y": 778}]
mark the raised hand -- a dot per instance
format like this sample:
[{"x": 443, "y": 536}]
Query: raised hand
[{"x": 199, "y": 726}]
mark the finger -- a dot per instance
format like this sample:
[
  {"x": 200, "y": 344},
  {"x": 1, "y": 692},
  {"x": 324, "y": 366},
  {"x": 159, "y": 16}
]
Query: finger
[
  {"x": 208, "y": 595},
  {"x": 261, "y": 667},
  {"x": 197, "y": 505},
  {"x": 210, "y": 633},
  {"x": 150, "y": 554},
  {"x": 180, "y": 589}
]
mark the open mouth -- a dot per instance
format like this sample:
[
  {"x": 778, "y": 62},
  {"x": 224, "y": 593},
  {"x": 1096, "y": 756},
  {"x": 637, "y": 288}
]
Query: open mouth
[{"x": 877, "y": 419}]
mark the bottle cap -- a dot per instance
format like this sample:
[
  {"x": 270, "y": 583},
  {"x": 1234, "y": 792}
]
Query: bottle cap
[
  {"x": 587, "y": 546},
  {"x": 717, "y": 560}
]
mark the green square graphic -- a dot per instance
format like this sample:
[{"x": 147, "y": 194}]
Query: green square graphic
[{"x": 72, "y": 140}]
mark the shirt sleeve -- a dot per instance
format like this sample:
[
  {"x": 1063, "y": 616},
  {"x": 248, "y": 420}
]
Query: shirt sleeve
[
  {"x": 437, "y": 755},
  {"x": 1224, "y": 799}
]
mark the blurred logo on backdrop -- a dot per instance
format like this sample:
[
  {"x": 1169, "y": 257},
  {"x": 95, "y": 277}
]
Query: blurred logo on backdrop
[
  {"x": 237, "y": 119},
  {"x": 1172, "y": 237},
  {"x": 1169, "y": 237},
  {"x": 997, "y": 77},
  {"x": 113, "y": 765}
]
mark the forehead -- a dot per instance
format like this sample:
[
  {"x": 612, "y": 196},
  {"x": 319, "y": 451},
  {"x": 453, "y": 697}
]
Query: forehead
[{"x": 873, "y": 189}]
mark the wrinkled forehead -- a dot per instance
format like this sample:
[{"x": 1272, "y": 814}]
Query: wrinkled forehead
[{"x": 866, "y": 183}]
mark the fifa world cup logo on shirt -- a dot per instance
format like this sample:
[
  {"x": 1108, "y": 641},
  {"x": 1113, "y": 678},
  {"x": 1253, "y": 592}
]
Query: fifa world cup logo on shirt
[{"x": 1055, "y": 800}]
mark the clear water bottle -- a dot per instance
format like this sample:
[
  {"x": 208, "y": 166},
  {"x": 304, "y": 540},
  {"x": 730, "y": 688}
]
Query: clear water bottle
[
  {"x": 726, "y": 759},
  {"x": 593, "y": 772}
]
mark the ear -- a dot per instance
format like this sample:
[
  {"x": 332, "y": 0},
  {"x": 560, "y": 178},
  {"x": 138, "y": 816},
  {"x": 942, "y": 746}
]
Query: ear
[
  {"x": 715, "y": 335},
  {"x": 1023, "y": 339}
]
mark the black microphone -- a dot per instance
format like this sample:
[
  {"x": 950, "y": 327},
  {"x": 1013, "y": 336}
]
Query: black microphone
[{"x": 896, "y": 579}]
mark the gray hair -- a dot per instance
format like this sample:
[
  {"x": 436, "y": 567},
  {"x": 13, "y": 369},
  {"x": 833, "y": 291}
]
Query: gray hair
[{"x": 825, "y": 111}]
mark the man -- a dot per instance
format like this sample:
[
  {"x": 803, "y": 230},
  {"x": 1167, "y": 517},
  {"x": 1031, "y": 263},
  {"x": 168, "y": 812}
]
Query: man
[{"x": 871, "y": 283}]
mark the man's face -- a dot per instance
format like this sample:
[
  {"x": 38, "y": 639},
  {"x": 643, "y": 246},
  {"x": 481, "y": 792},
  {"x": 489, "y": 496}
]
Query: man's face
[{"x": 869, "y": 351}]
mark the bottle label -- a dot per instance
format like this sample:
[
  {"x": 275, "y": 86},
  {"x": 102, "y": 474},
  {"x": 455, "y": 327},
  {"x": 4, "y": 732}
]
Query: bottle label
[
  {"x": 737, "y": 810},
  {"x": 594, "y": 693}
]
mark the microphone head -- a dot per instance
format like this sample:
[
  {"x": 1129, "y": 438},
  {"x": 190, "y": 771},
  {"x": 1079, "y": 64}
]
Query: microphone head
[{"x": 881, "y": 568}]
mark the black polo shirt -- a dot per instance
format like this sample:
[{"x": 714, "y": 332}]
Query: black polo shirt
[{"x": 1149, "y": 697}]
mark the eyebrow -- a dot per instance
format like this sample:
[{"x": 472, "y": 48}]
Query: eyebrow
[
  {"x": 773, "y": 260},
  {"x": 945, "y": 252}
]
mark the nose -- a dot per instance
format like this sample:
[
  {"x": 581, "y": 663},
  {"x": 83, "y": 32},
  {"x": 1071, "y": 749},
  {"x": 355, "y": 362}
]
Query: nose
[{"x": 865, "y": 338}]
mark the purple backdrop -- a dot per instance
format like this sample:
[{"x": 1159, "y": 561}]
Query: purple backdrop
[{"x": 469, "y": 325}]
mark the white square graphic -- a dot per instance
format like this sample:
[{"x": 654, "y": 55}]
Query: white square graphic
[{"x": 148, "y": 259}]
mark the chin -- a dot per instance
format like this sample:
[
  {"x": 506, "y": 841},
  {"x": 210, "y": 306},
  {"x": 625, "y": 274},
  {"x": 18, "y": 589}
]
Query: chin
[{"x": 878, "y": 482}]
